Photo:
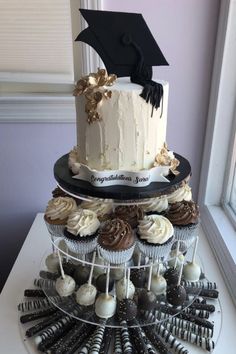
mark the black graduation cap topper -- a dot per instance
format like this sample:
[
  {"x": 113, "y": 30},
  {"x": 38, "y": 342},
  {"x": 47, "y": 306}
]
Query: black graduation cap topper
[{"x": 127, "y": 48}]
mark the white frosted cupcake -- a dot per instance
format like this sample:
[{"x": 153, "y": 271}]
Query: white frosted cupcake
[
  {"x": 56, "y": 214},
  {"x": 102, "y": 209},
  {"x": 81, "y": 231},
  {"x": 155, "y": 236},
  {"x": 157, "y": 205},
  {"x": 180, "y": 194}
]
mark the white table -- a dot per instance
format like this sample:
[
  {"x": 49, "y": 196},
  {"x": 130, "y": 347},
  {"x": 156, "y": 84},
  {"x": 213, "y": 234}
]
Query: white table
[{"x": 26, "y": 268}]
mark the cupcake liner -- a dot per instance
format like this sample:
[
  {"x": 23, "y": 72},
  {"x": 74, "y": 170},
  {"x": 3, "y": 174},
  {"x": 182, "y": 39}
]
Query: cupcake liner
[
  {"x": 55, "y": 230},
  {"x": 153, "y": 251},
  {"x": 186, "y": 234},
  {"x": 116, "y": 257},
  {"x": 81, "y": 245}
]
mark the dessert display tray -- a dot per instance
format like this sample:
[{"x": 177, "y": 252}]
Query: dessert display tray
[
  {"x": 176, "y": 340},
  {"x": 84, "y": 190},
  {"x": 87, "y": 314}
]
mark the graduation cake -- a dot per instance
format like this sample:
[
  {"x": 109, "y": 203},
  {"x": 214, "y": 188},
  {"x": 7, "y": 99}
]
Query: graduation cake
[
  {"x": 120, "y": 278},
  {"x": 121, "y": 111}
]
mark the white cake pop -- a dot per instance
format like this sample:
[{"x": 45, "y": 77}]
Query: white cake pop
[
  {"x": 86, "y": 294},
  {"x": 117, "y": 273},
  {"x": 124, "y": 290},
  {"x": 176, "y": 256},
  {"x": 158, "y": 283},
  {"x": 52, "y": 262},
  {"x": 105, "y": 305},
  {"x": 65, "y": 284},
  {"x": 192, "y": 270}
]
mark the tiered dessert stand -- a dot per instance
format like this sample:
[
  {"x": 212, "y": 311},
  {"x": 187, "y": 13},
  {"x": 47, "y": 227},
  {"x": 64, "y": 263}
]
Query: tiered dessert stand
[{"x": 66, "y": 327}]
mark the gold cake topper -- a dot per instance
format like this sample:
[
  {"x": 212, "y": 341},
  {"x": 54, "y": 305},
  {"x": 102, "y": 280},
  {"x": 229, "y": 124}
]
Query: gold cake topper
[
  {"x": 166, "y": 158},
  {"x": 92, "y": 86}
]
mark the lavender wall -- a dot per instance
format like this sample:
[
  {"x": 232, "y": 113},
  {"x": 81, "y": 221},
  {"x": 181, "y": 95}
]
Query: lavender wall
[
  {"x": 185, "y": 31},
  {"x": 28, "y": 153}
]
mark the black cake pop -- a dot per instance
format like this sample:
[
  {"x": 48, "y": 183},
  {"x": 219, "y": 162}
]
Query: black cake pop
[
  {"x": 146, "y": 298},
  {"x": 176, "y": 294},
  {"x": 81, "y": 274},
  {"x": 101, "y": 283}
]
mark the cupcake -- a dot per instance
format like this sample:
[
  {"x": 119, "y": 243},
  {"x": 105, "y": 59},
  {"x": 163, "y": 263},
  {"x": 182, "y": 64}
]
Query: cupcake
[
  {"x": 157, "y": 205},
  {"x": 155, "y": 236},
  {"x": 129, "y": 213},
  {"x": 185, "y": 218},
  {"x": 116, "y": 241},
  {"x": 180, "y": 194},
  {"x": 81, "y": 231},
  {"x": 102, "y": 209},
  {"x": 58, "y": 192},
  {"x": 56, "y": 214}
]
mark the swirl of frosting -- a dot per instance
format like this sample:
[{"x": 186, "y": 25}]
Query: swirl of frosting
[
  {"x": 155, "y": 229},
  {"x": 183, "y": 213},
  {"x": 99, "y": 208},
  {"x": 116, "y": 235},
  {"x": 82, "y": 222},
  {"x": 156, "y": 204},
  {"x": 130, "y": 213},
  {"x": 60, "y": 208},
  {"x": 182, "y": 193}
]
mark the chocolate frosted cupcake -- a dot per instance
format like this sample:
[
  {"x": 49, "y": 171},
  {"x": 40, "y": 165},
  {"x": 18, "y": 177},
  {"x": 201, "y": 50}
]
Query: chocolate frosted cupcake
[
  {"x": 130, "y": 213},
  {"x": 185, "y": 218},
  {"x": 102, "y": 209},
  {"x": 56, "y": 214},
  {"x": 116, "y": 241},
  {"x": 58, "y": 192},
  {"x": 81, "y": 231},
  {"x": 155, "y": 236},
  {"x": 180, "y": 194},
  {"x": 157, "y": 206}
]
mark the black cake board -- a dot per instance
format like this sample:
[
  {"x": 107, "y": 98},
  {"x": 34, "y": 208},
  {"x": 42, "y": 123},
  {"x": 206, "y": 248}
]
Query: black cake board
[{"x": 64, "y": 178}]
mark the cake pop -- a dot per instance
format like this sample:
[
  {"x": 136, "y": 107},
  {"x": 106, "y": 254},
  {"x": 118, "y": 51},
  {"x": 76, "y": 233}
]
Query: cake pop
[
  {"x": 192, "y": 270},
  {"x": 172, "y": 274},
  {"x": 105, "y": 305},
  {"x": 98, "y": 270},
  {"x": 68, "y": 267},
  {"x": 127, "y": 309},
  {"x": 176, "y": 294},
  {"x": 86, "y": 293},
  {"x": 121, "y": 289},
  {"x": 118, "y": 273},
  {"x": 81, "y": 274},
  {"x": 65, "y": 284},
  {"x": 101, "y": 283},
  {"x": 52, "y": 262},
  {"x": 158, "y": 283},
  {"x": 138, "y": 275},
  {"x": 175, "y": 255},
  {"x": 146, "y": 298}
]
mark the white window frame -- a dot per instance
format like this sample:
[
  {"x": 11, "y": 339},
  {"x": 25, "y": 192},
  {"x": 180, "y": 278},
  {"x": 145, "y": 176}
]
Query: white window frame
[
  {"x": 39, "y": 99},
  {"x": 220, "y": 125}
]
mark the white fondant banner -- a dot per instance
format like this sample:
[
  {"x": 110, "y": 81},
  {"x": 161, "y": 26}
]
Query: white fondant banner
[{"x": 124, "y": 178}]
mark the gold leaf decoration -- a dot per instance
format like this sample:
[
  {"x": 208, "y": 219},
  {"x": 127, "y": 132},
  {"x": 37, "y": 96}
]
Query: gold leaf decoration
[
  {"x": 167, "y": 158},
  {"x": 92, "y": 87}
]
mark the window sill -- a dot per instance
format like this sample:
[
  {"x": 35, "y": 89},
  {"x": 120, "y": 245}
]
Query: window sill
[{"x": 222, "y": 239}]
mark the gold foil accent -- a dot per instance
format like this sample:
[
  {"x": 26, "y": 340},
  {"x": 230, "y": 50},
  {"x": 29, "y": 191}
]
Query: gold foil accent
[
  {"x": 165, "y": 158},
  {"x": 91, "y": 86}
]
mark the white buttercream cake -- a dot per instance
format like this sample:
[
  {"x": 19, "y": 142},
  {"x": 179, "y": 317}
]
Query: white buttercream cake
[{"x": 129, "y": 134}]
